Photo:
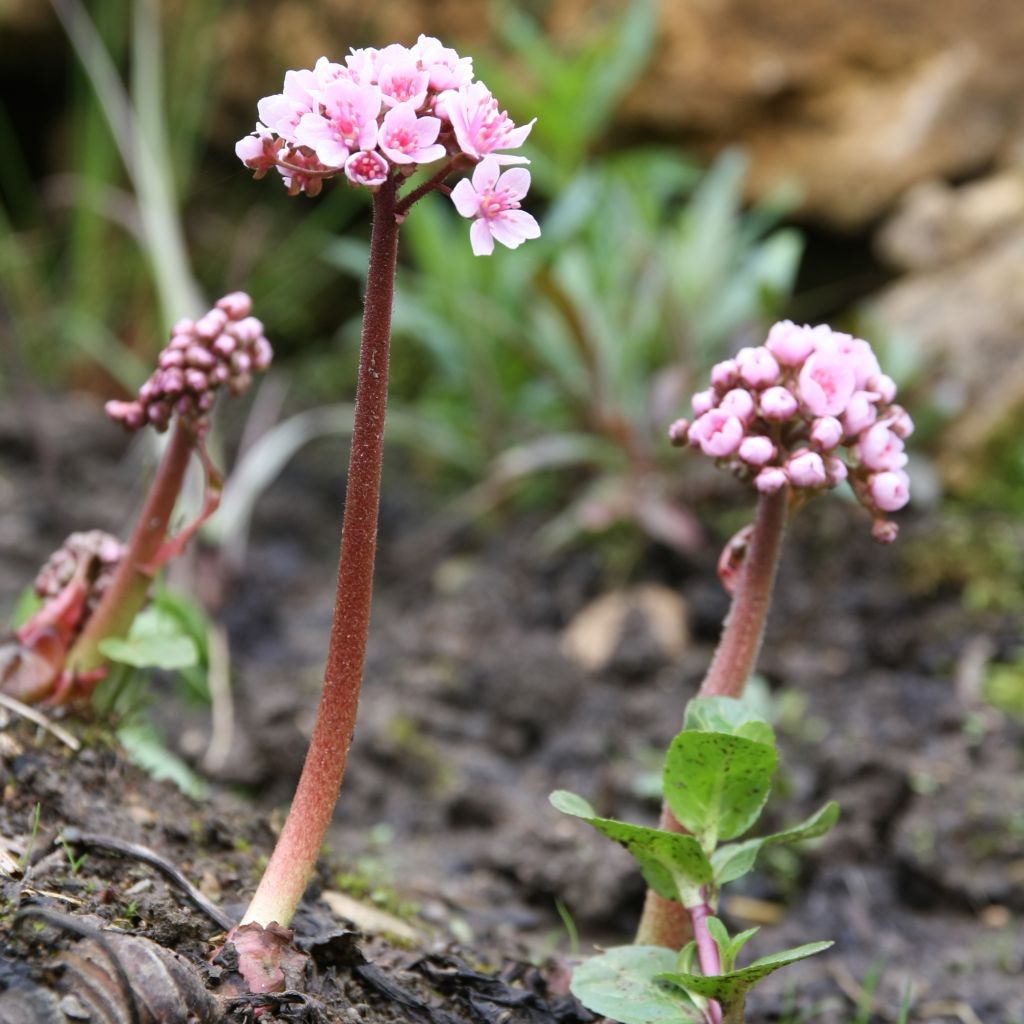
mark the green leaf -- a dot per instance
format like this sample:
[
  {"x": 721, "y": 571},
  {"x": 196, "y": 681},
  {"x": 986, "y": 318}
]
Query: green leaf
[
  {"x": 156, "y": 640},
  {"x": 716, "y": 784},
  {"x": 736, "y": 859},
  {"x": 621, "y": 984},
  {"x": 145, "y": 748},
  {"x": 728, "y": 715},
  {"x": 27, "y": 604},
  {"x": 730, "y": 987},
  {"x": 673, "y": 865}
]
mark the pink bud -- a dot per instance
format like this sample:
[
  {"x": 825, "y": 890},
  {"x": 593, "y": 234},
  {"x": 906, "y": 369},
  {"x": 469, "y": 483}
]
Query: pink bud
[
  {"x": 900, "y": 422},
  {"x": 171, "y": 381},
  {"x": 200, "y": 357},
  {"x": 185, "y": 406},
  {"x": 196, "y": 379},
  {"x": 757, "y": 367},
  {"x": 703, "y": 401},
  {"x": 247, "y": 330},
  {"x": 183, "y": 326},
  {"x": 778, "y": 404},
  {"x": 770, "y": 480},
  {"x": 677, "y": 432},
  {"x": 262, "y": 354},
  {"x": 224, "y": 344},
  {"x": 883, "y": 386},
  {"x": 826, "y": 433},
  {"x": 738, "y": 403},
  {"x": 220, "y": 373},
  {"x": 204, "y": 402},
  {"x": 724, "y": 374},
  {"x": 806, "y": 469},
  {"x": 717, "y": 433},
  {"x": 881, "y": 449},
  {"x": 209, "y": 325},
  {"x": 835, "y": 471},
  {"x": 240, "y": 363},
  {"x": 236, "y": 305},
  {"x": 890, "y": 490},
  {"x": 171, "y": 357},
  {"x": 860, "y": 413},
  {"x": 790, "y": 344},
  {"x": 884, "y": 531},
  {"x": 757, "y": 450}
]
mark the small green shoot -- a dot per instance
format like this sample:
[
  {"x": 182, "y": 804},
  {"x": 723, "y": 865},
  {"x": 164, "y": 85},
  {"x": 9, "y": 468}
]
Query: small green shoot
[
  {"x": 74, "y": 863},
  {"x": 717, "y": 776},
  {"x": 26, "y": 857}
]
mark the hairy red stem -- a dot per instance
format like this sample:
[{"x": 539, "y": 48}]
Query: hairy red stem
[
  {"x": 707, "y": 953},
  {"x": 665, "y": 922},
  {"x": 126, "y": 594},
  {"x": 294, "y": 856}
]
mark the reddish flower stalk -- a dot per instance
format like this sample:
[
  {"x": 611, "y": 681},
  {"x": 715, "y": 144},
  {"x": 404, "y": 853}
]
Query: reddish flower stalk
[
  {"x": 664, "y": 922},
  {"x": 294, "y": 856},
  {"x": 126, "y": 594}
]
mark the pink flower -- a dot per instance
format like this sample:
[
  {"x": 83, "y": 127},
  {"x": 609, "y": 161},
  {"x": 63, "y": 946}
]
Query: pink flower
[
  {"x": 857, "y": 352},
  {"x": 717, "y": 433},
  {"x": 900, "y": 422},
  {"x": 361, "y": 65},
  {"x": 282, "y": 112},
  {"x": 480, "y": 128},
  {"x": 349, "y": 122},
  {"x": 883, "y": 386},
  {"x": 259, "y": 150},
  {"x": 494, "y": 201},
  {"x": 702, "y": 401},
  {"x": 826, "y": 383},
  {"x": 881, "y": 449},
  {"x": 403, "y": 82},
  {"x": 757, "y": 367},
  {"x": 826, "y": 433},
  {"x": 756, "y": 450},
  {"x": 447, "y": 70},
  {"x": 860, "y": 412},
  {"x": 405, "y": 138},
  {"x": 777, "y": 404},
  {"x": 677, "y": 432},
  {"x": 806, "y": 469},
  {"x": 770, "y": 480},
  {"x": 367, "y": 168},
  {"x": 889, "y": 490},
  {"x": 836, "y": 471},
  {"x": 738, "y": 403},
  {"x": 790, "y": 344}
]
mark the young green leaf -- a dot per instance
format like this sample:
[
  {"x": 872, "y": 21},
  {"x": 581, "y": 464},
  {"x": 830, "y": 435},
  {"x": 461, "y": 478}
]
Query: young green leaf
[
  {"x": 621, "y": 984},
  {"x": 730, "y": 987},
  {"x": 728, "y": 715},
  {"x": 673, "y": 865},
  {"x": 716, "y": 784},
  {"x": 156, "y": 640},
  {"x": 736, "y": 859}
]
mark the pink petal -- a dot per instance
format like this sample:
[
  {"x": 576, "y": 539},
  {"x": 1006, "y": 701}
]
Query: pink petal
[
  {"x": 485, "y": 176},
  {"x": 480, "y": 238},
  {"x": 516, "y": 182},
  {"x": 466, "y": 201}
]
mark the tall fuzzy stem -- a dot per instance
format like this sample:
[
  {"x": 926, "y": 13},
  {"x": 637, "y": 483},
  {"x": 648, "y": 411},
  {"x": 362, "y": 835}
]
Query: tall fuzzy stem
[
  {"x": 126, "y": 594},
  {"x": 294, "y": 857},
  {"x": 666, "y": 923}
]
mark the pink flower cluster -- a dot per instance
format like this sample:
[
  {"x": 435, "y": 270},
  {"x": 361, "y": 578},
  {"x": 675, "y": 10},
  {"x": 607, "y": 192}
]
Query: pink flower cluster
[
  {"x": 387, "y": 112},
  {"x": 223, "y": 348},
  {"x": 807, "y": 409}
]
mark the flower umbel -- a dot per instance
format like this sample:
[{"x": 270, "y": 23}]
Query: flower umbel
[
  {"x": 385, "y": 113},
  {"x": 808, "y": 409}
]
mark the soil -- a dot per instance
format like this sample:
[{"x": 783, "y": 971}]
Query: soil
[{"x": 472, "y": 713}]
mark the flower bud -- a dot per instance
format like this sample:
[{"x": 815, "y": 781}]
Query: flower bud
[
  {"x": 806, "y": 469},
  {"x": 790, "y": 344},
  {"x": 703, "y": 401},
  {"x": 889, "y": 490},
  {"x": 717, "y": 433},
  {"x": 236, "y": 305},
  {"x": 826, "y": 433},
  {"x": 778, "y": 404},
  {"x": 724, "y": 374},
  {"x": 757, "y": 367},
  {"x": 756, "y": 450},
  {"x": 739, "y": 403},
  {"x": 770, "y": 480},
  {"x": 209, "y": 325},
  {"x": 677, "y": 432},
  {"x": 196, "y": 379},
  {"x": 860, "y": 413}
]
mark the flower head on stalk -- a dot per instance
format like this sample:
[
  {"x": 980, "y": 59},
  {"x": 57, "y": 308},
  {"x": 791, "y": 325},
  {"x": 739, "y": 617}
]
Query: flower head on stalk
[
  {"x": 383, "y": 114},
  {"x": 807, "y": 409},
  {"x": 223, "y": 348}
]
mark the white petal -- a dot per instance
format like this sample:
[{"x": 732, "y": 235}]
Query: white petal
[
  {"x": 485, "y": 175},
  {"x": 465, "y": 199},
  {"x": 480, "y": 238},
  {"x": 516, "y": 182}
]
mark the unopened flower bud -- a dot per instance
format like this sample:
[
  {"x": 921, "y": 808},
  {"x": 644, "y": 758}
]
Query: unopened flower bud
[
  {"x": 770, "y": 480},
  {"x": 200, "y": 357},
  {"x": 757, "y": 367},
  {"x": 236, "y": 305},
  {"x": 171, "y": 381},
  {"x": 884, "y": 531},
  {"x": 196, "y": 379},
  {"x": 738, "y": 403},
  {"x": 240, "y": 362},
  {"x": 220, "y": 373},
  {"x": 889, "y": 490},
  {"x": 717, "y": 433},
  {"x": 247, "y": 329},
  {"x": 724, "y": 375},
  {"x": 262, "y": 354},
  {"x": 703, "y": 401},
  {"x": 806, "y": 469},
  {"x": 826, "y": 433},
  {"x": 171, "y": 357},
  {"x": 210, "y": 324},
  {"x": 777, "y": 404},
  {"x": 677, "y": 432},
  {"x": 860, "y": 413},
  {"x": 224, "y": 344},
  {"x": 883, "y": 386},
  {"x": 756, "y": 450},
  {"x": 790, "y": 344},
  {"x": 835, "y": 470},
  {"x": 183, "y": 326}
]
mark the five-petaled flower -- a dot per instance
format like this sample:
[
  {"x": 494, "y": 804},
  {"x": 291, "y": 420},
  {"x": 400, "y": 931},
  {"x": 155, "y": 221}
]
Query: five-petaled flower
[{"x": 493, "y": 199}]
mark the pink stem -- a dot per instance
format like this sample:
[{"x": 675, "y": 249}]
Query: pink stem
[
  {"x": 295, "y": 854},
  {"x": 707, "y": 953},
  {"x": 665, "y": 922},
  {"x": 126, "y": 594}
]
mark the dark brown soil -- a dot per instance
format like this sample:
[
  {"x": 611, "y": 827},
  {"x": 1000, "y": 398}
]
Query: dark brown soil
[{"x": 472, "y": 714}]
